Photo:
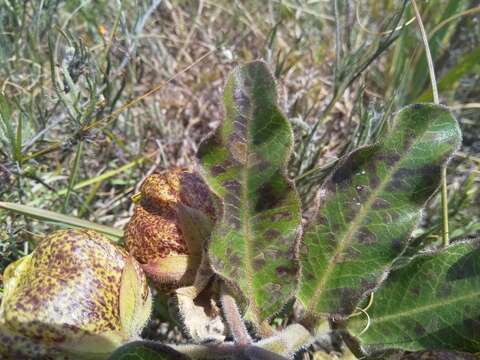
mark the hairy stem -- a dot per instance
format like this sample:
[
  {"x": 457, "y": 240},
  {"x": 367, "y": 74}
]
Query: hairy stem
[{"x": 234, "y": 319}]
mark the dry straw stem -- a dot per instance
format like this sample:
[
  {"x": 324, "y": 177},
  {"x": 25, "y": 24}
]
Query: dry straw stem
[{"x": 431, "y": 69}]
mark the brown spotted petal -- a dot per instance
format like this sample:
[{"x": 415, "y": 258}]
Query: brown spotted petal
[
  {"x": 156, "y": 234},
  {"x": 65, "y": 295}
]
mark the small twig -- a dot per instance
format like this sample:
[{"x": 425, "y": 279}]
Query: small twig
[
  {"x": 431, "y": 69},
  {"x": 234, "y": 319}
]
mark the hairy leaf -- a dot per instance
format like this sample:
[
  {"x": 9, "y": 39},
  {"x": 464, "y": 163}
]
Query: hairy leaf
[
  {"x": 432, "y": 303},
  {"x": 134, "y": 307},
  {"x": 436, "y": 355},
  {"x": 425, "y": 355},
  {"x": 198, "y": 314},
  {"x": 369, "y": 207},
  {"x": 254, "y": 244},
  {"x": 396, "y": 354},
  {"x": 146, "y": 350}
]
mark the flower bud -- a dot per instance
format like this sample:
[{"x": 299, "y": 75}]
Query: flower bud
[
  {"x": 76, "y": 294},
  {"x": 169, "y": 226}
]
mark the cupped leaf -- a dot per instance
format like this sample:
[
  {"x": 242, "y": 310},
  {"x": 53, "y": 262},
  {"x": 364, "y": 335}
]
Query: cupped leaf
[
  {"x": 369, "y": 207},
  {"x": 135, "y": 301},
  {"x": 198, "y": 314},
  {"x": 432, "y": 303},
  {"x": 146, "y": 350},
  {"x": 254, "y": 243}
]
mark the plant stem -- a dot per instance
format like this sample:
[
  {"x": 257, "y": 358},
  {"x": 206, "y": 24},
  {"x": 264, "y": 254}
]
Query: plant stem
[
  {"x": 446, "y": 239},
  {"x": 234, "y": 319},
  {"x": 444, "y": 193}
]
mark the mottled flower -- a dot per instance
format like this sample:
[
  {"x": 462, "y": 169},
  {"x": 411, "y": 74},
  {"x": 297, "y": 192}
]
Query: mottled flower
[
  {"x": 169, "y": 226},
  {"x": 75, "y": 296}
]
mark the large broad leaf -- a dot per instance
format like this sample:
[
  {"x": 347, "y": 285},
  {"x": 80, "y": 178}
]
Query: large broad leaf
[
  {"x": 395, "y": 354},
  {"x": 369, "y": 207},
  {"x": 254, "y": 243},
  {"x": 146, "y": 350},
  {"x": 436, "y": 355},
  {"x": 432, "y": 303}
]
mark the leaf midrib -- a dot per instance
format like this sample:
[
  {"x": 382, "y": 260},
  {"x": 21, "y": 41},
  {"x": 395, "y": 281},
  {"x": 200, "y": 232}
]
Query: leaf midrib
[
  {"x": 421, "y": 309},
  {"x": 253, "y": 307},
  {"x": 361, "y": 215}
]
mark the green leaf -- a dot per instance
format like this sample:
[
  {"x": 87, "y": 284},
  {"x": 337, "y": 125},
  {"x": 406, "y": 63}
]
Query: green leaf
[
  {"x": 432, "y": 303},
  {"x": 254, "y": 243},
  {"x": 369, "y": 207},
  {"x": 146, "y": 350},
  {"x": 430, "y": 355},
  {"x": 61, "y": 218}
]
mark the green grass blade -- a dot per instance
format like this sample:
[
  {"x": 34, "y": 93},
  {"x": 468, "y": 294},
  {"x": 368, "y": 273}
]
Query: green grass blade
[
  {"x": 6, "y": 123},
  {"x": 465, "y": 65},
  {"x": 51, "y": 216},
  {"x": 420, "y": 71},
  {"x": 107, "y": 174},
  {"x": 18, "y": 141},
  {"x": 73, "y": 174}
]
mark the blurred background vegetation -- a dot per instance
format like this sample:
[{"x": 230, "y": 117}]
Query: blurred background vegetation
[{"x": 96, "y": 95}]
